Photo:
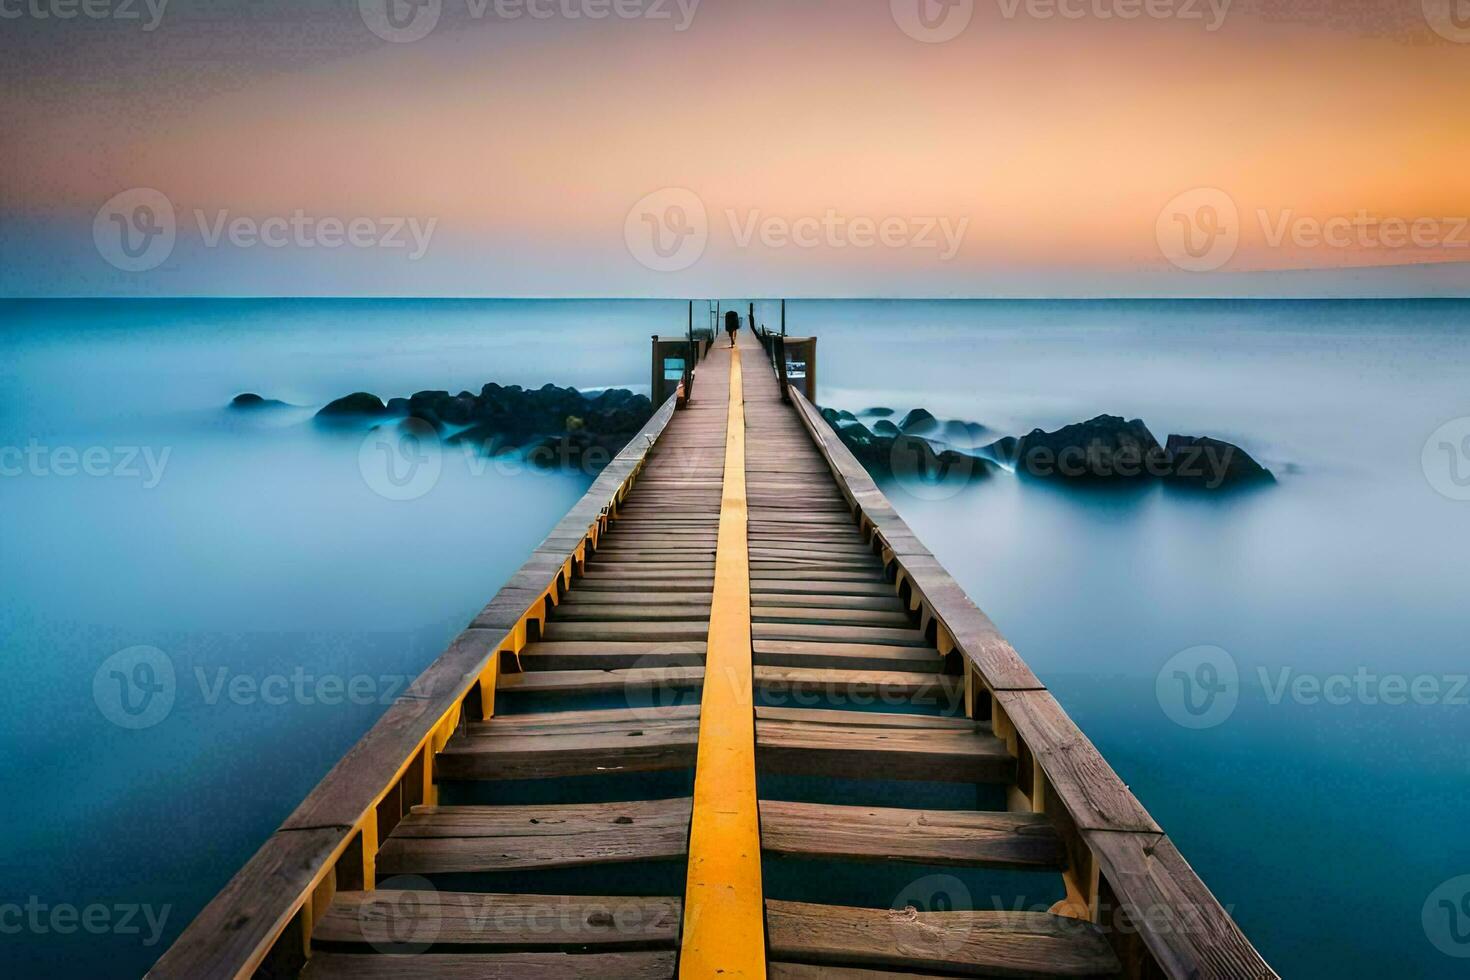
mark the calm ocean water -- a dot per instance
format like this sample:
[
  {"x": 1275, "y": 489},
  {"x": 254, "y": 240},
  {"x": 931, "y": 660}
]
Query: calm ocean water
[{"x": 268, "y": 565}]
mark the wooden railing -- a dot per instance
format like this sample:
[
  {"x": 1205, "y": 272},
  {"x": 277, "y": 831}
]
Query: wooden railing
[
  {"x": 262, "y": 919},
  {"x": 1123, "y": 872}
]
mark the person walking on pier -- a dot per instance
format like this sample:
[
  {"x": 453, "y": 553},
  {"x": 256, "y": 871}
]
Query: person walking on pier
[{"x": 732, "y": 325}]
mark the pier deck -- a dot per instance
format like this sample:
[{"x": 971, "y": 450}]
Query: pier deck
[{"x": 729, "y": 685}]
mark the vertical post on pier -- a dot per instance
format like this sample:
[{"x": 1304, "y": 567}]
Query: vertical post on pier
[
  {"x": 689, "y": 358},
  {"x": 783, "y": 318}
]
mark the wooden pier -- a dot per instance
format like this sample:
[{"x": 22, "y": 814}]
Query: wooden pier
[{"x": 730, "y": 680}]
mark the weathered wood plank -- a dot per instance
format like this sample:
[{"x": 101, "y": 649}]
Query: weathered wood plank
[
  {"x": 656, "y": 745},
  {"x": 991, "y": 944},
  {"x": 419, "y": 919},
  {"x": 435, "y": 840},
  {"x": 602, "y": 681},
  {"x": 867, "y": 719},
  {"x": 1165, "y": 902},
  {"x": 1092, "y": 792},
  {"x": 235, "y": 929},
  {"x": 838, "y": 634},
  {"x": 939, "y": 837},
  {"x": 872, "y": 752},
  {"x": 609, "y": 655},
  {"x": 658, "y": 965},
  {"x": 846, "y": 656}
]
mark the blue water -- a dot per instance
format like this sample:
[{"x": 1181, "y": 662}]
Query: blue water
[{"x": 259, "y": 550}]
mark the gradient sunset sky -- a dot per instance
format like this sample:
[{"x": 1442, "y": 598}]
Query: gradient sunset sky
[{"x": 1058, "y": 144}]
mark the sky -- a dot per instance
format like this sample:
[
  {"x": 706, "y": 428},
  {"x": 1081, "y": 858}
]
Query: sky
[{"x": 750, "y": 147}]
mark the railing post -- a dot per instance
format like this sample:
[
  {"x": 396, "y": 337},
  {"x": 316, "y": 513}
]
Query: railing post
[{"x": 780, "y": 349}]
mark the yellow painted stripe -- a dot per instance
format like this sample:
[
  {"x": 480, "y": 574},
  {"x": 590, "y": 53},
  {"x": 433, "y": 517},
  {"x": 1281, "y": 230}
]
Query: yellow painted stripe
[{"x": 724, "y": 916}]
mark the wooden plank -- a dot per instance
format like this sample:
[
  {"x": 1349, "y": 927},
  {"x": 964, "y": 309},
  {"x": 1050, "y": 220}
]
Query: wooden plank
[
  {"x": 830, "y": 615},
  {"x": 653, "y": 746},
  {"x": 436, "y": 840},
  {"x": 657, "y": 965},
  {"x": 562, "y": 722},
  {"x": 609, "y": 655},
  {"x": 1163, "y": 901},
  {"x": 990, "y": 944},
  {"x": 866, "y": 719},
  {"x": 1080, "y": 777},
  {"x": 805, "y": 971},
  {"x": 428, "y": 919},
  {"x": 673, "y": 632},
  {"x": 615, "y": 612},
  {"x": 602, "y": 681},
  {"x": 847, "y": 656},
  {"x": 884, "y": 685},
  {"x": 234, "y": 931},
  {"x": 838, "y": 634},
  {"x": 872, "y": 752},
  {"x": 937, "y": 837}
]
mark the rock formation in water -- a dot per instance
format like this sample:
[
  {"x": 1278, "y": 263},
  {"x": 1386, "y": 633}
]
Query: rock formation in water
[
  {"x": 1110, "y": 449},
  {"x": 918, "y": 422},
  {"x": 1200, "y": 461},
  {"x": 250, "y": 400},
  {"x": 891, "y": 453},
  {"x": 358, "y": 404},
  {"x": 1104, "y": 448},
  {"x": 555, "y": 425}
]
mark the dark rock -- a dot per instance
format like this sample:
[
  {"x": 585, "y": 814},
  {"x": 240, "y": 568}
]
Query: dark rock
[
  {"x": 958, "y": 430},
  {"x": 901, "y": 456},
  {"x": 397, "y": 406},
  {"x": 1200, "y": 461},
  {"x": 1105, "y": 448},
  {"x": 917, "y": 422},
  {"x": 885, "y": 427},
  {"x": 357, "y": 403},
  {"x": 250, "y": 400},
  {"x": 879, "y": 412}
]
